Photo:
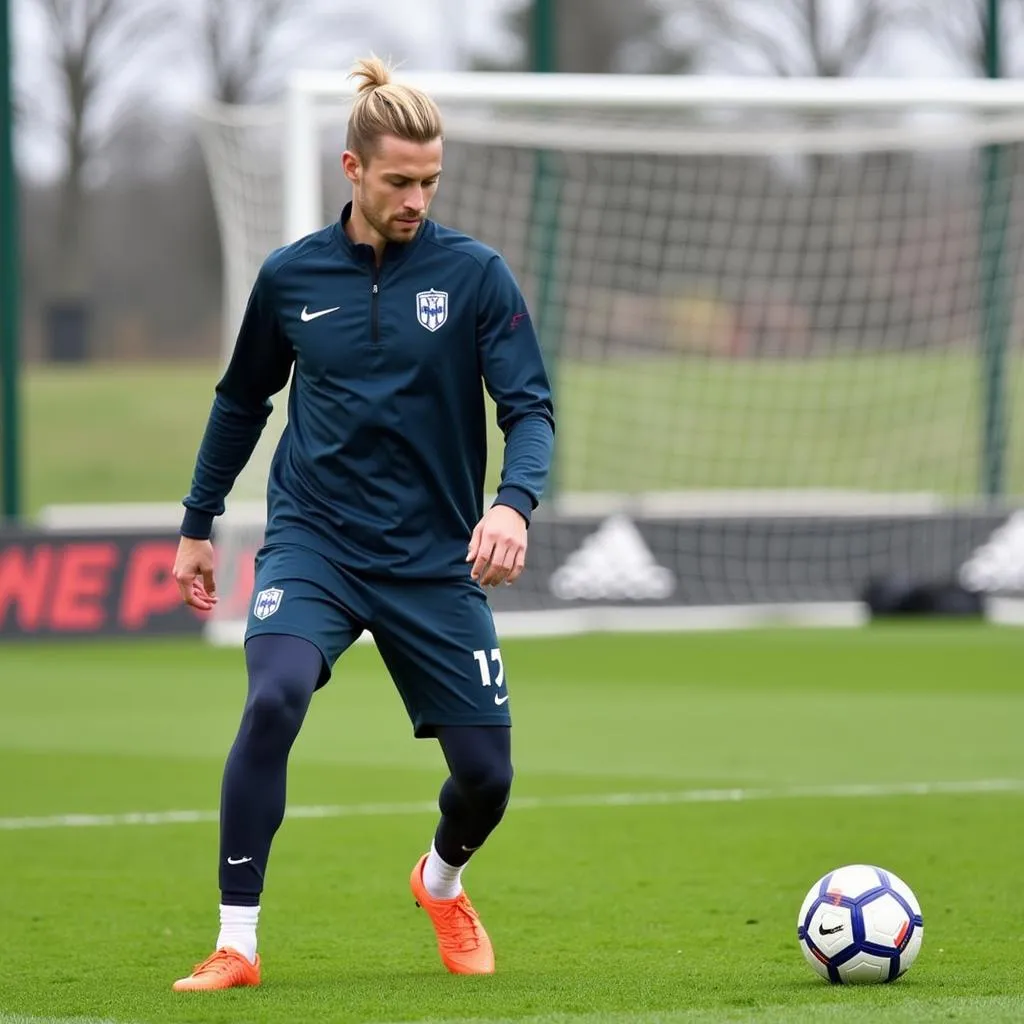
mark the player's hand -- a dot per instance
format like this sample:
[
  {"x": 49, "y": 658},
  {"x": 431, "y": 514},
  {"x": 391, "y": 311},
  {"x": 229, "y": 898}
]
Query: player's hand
[
  {"x": 193, "y": 572},
  {"x": 497, "y": 548}
]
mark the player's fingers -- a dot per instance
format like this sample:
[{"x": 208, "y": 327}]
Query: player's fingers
[
  {"x": 508, "y": 561},
  {"x": 474, "y": 542},
  {"x": 483, "y": 558},
  {"x": 199, "y": 598},
  {"x": 209, "y": 585},
  {"x": 500, "y": 565},
  {"x": 201, "y": 595},
  {"x": 184, "y": 578},
  {"x": 518, "y": 566}
]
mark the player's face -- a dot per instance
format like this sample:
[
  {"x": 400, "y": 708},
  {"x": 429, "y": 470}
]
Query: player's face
[{"x": 395, "y": 186}]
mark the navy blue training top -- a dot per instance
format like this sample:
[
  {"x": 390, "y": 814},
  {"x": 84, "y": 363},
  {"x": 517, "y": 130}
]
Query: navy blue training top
[{"x": 381, "y": 465}]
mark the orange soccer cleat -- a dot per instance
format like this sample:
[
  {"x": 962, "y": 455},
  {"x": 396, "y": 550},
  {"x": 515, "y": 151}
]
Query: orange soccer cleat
[
  {"x": 226, "y": 968},
  {"x": 461, "y": 939}
]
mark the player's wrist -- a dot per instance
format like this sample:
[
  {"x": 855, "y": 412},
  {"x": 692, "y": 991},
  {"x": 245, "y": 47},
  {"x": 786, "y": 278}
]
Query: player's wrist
[
  {"x": 515, "y": 498},
  {"x": 196, "y": 524}
]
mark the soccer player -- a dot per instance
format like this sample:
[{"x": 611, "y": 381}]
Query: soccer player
[{"x": 391, "y": 326}]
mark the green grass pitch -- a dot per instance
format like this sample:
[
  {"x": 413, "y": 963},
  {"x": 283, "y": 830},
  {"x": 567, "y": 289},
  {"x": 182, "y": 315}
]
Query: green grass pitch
[
  {"x": 623, "y": 425},
  {"x": 657, "y": 906}
]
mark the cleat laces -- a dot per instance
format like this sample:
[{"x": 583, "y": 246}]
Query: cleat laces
[
  {"x": 458, "y": 925},
  {"x": 222, "y": 962}
]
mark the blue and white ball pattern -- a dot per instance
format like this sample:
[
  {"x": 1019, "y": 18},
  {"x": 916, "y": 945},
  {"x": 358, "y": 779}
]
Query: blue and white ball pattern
[{"x": 860, "y": 924}]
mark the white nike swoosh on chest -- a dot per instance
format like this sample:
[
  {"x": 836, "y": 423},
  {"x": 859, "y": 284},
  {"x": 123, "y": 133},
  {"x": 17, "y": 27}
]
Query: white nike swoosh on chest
[{"x": 306, "y": 316}]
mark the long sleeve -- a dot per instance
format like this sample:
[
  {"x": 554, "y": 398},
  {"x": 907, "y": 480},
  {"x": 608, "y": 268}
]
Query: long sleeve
[
  {"x": 259, "y": 367},
  {"x": 515, "y": 377}
]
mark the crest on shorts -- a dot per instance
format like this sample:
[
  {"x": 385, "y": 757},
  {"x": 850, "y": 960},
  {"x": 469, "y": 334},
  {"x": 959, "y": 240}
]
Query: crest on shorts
[
  {"x": 267, "y": 602},
  {"x": 432, "y": 309}
]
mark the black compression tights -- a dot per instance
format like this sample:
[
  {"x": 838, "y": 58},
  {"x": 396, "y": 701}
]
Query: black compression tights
[{"x": 283, "y": 674}]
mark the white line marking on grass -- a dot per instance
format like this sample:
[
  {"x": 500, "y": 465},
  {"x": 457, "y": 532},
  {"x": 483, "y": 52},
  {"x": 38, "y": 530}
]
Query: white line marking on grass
[
  {"x": 6, "y": 1018},
  {"x": 651, "y": 799}
]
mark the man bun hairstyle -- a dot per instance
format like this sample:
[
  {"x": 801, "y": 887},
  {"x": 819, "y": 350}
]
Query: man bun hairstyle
[{"x": 384, "y": 107}]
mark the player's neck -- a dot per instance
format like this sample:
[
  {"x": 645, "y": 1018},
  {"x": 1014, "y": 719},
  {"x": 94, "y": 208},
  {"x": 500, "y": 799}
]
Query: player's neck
[{"x": 361, "y": 232}]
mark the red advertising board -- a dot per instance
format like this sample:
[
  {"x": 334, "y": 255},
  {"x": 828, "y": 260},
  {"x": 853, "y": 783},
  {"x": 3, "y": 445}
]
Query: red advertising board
[{"x": 65, "y": 584}]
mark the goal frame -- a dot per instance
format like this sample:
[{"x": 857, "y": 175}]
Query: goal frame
[
  {"x": 315, "y": 99},
  {"x": 305, "y": 89}
]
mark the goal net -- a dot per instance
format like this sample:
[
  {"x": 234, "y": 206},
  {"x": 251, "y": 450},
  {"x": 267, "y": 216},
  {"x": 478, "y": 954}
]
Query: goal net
[{"x": 779, "y": 318}]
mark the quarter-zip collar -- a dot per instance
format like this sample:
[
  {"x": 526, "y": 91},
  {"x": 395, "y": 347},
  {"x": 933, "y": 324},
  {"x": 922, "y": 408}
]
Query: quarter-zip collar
[{"x": 394, "y": 252}]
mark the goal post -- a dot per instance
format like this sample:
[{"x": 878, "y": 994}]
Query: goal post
[
  {"x": 767, "y": 306},
  {"x": 309, "y": 90}
]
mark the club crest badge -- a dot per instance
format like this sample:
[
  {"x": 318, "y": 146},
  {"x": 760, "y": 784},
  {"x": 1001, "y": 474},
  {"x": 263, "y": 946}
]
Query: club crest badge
[
  {"x": 432, "y": 309},
  {"x": 267, "y": 602}
]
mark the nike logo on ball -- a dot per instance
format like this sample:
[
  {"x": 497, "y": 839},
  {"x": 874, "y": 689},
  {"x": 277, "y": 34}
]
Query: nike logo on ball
[
  {"x": 306, "y": 316},
  {"x": 822, "y": 930}
]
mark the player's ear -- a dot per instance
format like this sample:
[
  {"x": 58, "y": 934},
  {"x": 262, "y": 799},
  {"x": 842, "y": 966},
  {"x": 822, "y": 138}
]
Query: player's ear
[{"x": 352, "y": 166}]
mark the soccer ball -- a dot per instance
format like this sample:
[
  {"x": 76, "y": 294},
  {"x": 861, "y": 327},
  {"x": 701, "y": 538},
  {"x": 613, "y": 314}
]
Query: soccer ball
[{"x": 860, "y": 925}]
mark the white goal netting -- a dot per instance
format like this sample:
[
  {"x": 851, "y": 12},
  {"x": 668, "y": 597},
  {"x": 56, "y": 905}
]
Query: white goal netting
[{"x": 781, "y": 330}]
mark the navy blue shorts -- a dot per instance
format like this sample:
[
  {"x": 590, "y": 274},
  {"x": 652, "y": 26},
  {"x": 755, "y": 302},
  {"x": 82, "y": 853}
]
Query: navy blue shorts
[{"x": 436, "y": 637}]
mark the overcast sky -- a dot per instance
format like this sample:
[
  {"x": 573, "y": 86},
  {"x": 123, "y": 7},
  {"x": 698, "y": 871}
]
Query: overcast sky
[{"x": 422, "y": 34}]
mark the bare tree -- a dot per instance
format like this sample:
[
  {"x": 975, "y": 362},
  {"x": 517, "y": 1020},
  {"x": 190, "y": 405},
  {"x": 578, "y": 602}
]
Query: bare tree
[
  {"x": 816, "y": 38},
  {"x": 595, "y": 36},
  {"x": 247, "y": 47},
  {"x": 961, "y": 27},
  {"x": 95, "y": 49}
]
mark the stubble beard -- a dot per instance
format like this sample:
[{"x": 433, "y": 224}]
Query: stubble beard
[{"x": 386, "y": 230}]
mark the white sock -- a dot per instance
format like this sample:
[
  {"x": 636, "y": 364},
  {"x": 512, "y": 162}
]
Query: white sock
[
  {"x": 441, "y": 879},
  {"x": 238, "y": 930}
]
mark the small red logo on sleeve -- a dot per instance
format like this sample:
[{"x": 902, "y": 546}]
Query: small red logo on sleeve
[{"x": 517, "y": 319}]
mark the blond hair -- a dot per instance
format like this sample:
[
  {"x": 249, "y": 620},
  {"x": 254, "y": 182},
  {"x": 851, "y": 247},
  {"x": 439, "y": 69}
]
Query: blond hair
[{"x": 383, "y": 107}]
